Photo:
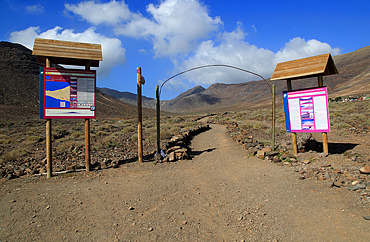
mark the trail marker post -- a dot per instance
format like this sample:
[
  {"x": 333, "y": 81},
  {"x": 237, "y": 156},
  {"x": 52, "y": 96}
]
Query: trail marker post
[
  {"x": 139, "y": 115},
  {"x": 306, "y": 117},
  {"x": 158, "y": 120},
  {"x": 273, "y": 116}
]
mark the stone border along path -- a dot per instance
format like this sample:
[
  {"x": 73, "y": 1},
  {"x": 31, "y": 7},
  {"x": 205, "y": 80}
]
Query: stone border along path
[
  {"x": 351, "y": 173},
  {"x": 284, "y": 207},
  {"x": 178, "y": 147},
  {"x": 219, "y": 195}
]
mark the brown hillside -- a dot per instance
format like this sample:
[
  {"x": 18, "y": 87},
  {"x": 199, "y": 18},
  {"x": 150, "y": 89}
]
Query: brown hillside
[
  {"x": 353, "y": 79},
  {"x": 19, "y": 89}
]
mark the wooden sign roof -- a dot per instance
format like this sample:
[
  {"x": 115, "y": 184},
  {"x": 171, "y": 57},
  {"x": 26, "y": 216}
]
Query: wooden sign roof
[
  {"x": 66, "y": 52},
  {"x": 304, "y": 68}
]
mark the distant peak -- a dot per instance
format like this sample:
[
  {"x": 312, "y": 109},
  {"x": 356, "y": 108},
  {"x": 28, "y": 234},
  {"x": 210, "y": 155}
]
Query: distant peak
[{"x": 200, "y": 88}]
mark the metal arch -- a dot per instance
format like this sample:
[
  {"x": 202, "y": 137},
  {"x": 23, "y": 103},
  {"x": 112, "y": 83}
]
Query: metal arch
[{"x": 199, "y": 67}]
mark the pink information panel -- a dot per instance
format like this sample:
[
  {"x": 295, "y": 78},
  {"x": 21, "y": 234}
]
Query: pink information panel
[{"x": 307, "y": 110}]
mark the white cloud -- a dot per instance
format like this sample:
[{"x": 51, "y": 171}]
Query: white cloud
[
  {"x": 174, "y": 27},
  {"x": 298, "y": 48},
  {"x": 179, "y": 24},
  {"x": 113, "y": 52},
  {"x": 98, "y": 13},
  {"x": 182, "y": 30},
  {"x": 38, "y": 8},
  {"x": 25, "y": 37},
  {"x": 232, "y": 50},
  {"x": 235, "y": 51},
  {"x": 254, "y": 28}
]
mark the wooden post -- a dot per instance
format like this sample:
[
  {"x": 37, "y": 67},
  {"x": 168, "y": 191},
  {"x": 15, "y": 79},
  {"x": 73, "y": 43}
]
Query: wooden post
[
  {"x": 87, "y": 136},
  {"x": 294, "y": 135},
  {"x": 325, "y": 144},
  {"x": 289, "y": 84},
  {"x": 87, "y": 144},
  {"x": 140, "y": 117},
  {"x": 273, "y": 116},
  {"x": 295, "y": 146},
  {"x": 49, "y": 152},
  {"x": 49, "y": 131},
  {"x": 320, "y": 81},
  {"x": 158, "y": 120}
]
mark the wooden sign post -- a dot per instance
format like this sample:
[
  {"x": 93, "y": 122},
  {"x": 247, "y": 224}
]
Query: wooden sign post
[
  {"x": 158, "y": 105},
  {"x": 294, "y": 135},
  {"x": 49, "y": 131},
  {"x": 316, "y": 66},
  {"x": 273, "y": 116},
  {"x": 139, "y": 116},
  {"x": 68, "y": 53},
  {"x": 87, "y": 135}
]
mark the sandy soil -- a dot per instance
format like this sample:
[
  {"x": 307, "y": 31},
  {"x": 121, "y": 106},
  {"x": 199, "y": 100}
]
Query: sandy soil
[{"x": 219, "y": 195}]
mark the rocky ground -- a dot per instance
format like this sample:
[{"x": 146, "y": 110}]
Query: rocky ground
[
  {"x": 222, "y": 184},
  {"x": 220, "y": 194},
  {"x": 113, "y": 142},
  {"x": 347, "y": 164}
]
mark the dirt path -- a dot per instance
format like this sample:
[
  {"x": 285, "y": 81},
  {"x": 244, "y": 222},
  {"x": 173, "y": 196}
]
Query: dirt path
[{"x": 220, "y": 195}]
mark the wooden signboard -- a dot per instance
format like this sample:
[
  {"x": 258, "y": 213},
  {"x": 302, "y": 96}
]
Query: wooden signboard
[
  {"x": 304, "y": 68},
  {"x": 67, "y": 93},
  {"x": 69, "y": 53},
  {"x": 66, "y": 52},
  {"x": 315, "y": 66}
]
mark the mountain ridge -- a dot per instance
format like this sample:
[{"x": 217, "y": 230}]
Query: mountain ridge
[
  {"x": 19, "y": 74},
  {"x": 353, "y": 79}
]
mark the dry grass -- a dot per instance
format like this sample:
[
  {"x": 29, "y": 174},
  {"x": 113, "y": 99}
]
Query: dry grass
[
  {"x": 345, "y": 118},
  {"x": 26, "y": 138},
  {"x": 20, "y": 141},
  {"x": 350, "y": 116}
]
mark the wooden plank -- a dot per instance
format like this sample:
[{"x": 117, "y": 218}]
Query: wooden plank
[
  {"x": 71, "y": 44},
  {"x": 69, "y": 54},
  {"x": 306, "y": 61},
  {"x": 45, "y": 47},
  {"x": 306, "y": 67},
  {"x": 66, "y": 52},
  {"x": 68, "y": 61},
  {"x": 308, "y": 70}
]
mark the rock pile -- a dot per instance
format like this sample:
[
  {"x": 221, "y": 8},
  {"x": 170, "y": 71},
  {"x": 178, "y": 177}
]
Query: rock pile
[
  {"x": 339, "y": 170},
  {"x": 178, "y": 147},
  {"x": 256, "y": 148}
]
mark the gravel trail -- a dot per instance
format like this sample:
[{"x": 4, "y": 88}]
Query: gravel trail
[{"x": 218, "y": 195}]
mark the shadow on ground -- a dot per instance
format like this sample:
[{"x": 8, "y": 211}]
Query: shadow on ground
[
  {"x": 334, "y": 148},
  {"x": 146, "y": 158},
  {"x": 193, "y": 153}
]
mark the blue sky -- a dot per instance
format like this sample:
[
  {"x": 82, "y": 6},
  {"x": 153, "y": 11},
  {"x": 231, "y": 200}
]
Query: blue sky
[{"x": 169, "y": 36}]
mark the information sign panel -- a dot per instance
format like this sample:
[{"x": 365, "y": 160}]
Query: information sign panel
[
  {"x": 67, "y": 93},
  {"x": 307, "y": 110}
]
